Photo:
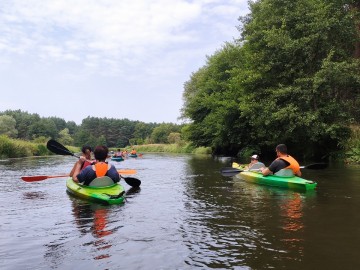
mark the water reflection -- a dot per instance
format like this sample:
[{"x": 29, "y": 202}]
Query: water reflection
[
  {"x": 34, "y": 195},
  {"x": 235, "y": 223},
  {"x": 93, "y": 218},
  {"x": 185, "y": 216},
  {"x": 291, "y": 210}
]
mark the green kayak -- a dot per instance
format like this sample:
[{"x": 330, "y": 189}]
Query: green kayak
[
  {"x": 117, "y": 158},
  {"x": 290, "y": 182},
  {"x": 113, "y": 194}
]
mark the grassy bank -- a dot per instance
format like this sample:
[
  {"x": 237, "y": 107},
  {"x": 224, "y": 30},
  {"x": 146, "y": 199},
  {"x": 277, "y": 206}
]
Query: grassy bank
[
  {"x": 171, "y": 148},
  {"x": 13, "y": 148}
]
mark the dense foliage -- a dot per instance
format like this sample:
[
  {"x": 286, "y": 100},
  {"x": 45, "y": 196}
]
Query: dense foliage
[
  {"x": 92, "y": 131},
  {"x": 291, "y": 77}
]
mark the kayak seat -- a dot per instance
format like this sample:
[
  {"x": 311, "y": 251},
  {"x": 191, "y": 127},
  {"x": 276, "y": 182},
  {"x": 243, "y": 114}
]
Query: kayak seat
[
  {"x": 285, "y": 173},
  {"x": 257, "y": 166},
  {"x": 101, "y": 182}
]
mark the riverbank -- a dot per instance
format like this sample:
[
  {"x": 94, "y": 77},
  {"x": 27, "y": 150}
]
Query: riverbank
[
  {"x": 171, "y": 148},
  {"x": 14, "y": 148}
]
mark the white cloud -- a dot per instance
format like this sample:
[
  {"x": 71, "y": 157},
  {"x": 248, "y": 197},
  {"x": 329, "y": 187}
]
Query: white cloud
[{"x": 88, "y": 41}]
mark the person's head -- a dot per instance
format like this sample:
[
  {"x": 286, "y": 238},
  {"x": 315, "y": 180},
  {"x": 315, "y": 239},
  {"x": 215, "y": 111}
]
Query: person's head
[
  {"x": 101, "y": 152},
  {"x": 281, "y": 149},
  {"x": 254, "y": 158},
  {"x": 86, "y": 150}
]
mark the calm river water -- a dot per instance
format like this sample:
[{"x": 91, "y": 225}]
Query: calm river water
[{"x": 185, "y": 216}]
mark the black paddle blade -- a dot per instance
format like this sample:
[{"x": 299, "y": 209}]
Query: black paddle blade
[
  {"x": 131, "y": 181},
  {"x": 317, "y": 166},
  {"x": 229, "y": 171},
  {"x": 58, "y": 148}
]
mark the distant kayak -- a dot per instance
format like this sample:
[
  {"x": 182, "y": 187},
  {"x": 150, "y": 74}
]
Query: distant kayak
[
  {"x": 117, "y": 158},
  {"x": 113, "y": 194}
]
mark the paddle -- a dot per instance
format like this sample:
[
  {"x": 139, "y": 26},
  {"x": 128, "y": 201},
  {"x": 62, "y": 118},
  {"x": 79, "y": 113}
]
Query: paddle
[
  {"x": 44, "y": 177},
  {"x": 134, "y": 182},
  {"x": 229, "y": 171},
  {"x": 59, "y": 149},
  {"x": 41, "y": 177}
]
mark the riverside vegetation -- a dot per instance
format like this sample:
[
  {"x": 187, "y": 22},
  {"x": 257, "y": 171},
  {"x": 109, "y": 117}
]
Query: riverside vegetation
[
  {"x": 291, "y": 76},
  {"x": 15, "y": 148}
]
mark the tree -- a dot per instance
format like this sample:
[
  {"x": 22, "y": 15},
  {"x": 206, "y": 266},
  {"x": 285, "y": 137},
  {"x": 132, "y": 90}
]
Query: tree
[
  {"x": 44, "y": 127},
  {"x": 65, "y": 138},
  {"x": 8, "y": 126},
  {"x": 160, "y": 134},
  {"x": 24, "y": 120},
  {"x": 211, "y": 99},
  {"x": 280, "y": 81},
  {"x": 290, "y": 44},
  {"x": 142, "y": 131},
  {"x": 174, "y": 137}
]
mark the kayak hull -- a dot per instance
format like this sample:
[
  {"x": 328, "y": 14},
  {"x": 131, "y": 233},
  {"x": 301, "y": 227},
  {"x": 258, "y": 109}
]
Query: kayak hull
[
  {"x": 117, "y": 158},
  {"x": 114, "y": 194},
  {"x": 292, "y": 182}
]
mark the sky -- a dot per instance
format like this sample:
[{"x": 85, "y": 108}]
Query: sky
[{"x": 108, "y": 58}]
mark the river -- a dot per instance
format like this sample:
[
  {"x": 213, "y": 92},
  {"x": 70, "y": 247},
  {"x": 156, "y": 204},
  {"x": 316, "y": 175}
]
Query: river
[{"x": 185, "y": 216}]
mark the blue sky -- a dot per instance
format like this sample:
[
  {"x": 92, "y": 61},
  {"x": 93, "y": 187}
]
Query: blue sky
[{"x": 108, "y": 58}]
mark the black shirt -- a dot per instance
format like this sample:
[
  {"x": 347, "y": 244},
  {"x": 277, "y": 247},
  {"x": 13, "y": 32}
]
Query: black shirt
[{"x": 277, "y": 165}]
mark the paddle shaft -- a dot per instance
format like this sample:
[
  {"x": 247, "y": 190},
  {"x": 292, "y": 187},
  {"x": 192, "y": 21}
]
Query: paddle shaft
[
  {"x": 229, "y": 171},
  {"x": 36, "y": 178}
]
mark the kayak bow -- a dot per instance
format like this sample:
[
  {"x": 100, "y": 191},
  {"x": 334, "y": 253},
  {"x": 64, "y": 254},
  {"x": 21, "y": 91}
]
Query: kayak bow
[{"x": 114, "y": 194}]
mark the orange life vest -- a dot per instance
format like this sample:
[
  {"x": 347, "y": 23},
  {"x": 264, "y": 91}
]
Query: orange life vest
[
  {"x": 294, "y": 165},
  {"x": 100, "y": 169}
]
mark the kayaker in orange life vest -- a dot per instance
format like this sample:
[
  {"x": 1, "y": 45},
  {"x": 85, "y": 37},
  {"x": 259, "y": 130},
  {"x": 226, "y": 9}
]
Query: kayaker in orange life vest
[
  {"x": 98, "y": 169},
  {"x": 86, "y": 157},
  {"x": 283, "y": 161}
]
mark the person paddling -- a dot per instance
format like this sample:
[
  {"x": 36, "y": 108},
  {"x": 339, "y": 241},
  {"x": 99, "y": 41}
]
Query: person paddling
[
  {"x": 99, "y": 168},
  {"x": 85, "y": 157},
  {"x": 283, "y": 165}
]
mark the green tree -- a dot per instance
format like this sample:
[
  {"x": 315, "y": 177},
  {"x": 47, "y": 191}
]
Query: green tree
[
  {"x": 65, "y": 138},
  {"x": 24, "y": 120},
  {"x": 72, "y": 127},
  {"x": 8, "y": 126},
  {"x": 211, "y": 99},
  {"x": 143, "y": 131},
  {"x": 290, "y": 45},
  {"x": 160, "y": 134},
  {"x": 44, "y": 127},
  {"x": 281, "y": 81},
  {"x": 174, "y": 137}
]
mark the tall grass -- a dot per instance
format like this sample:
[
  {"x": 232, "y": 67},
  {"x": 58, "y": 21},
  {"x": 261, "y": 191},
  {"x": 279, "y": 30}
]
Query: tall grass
[
  {"x": 172, "y": 148},
  {"x": 13, "y": 148}
]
